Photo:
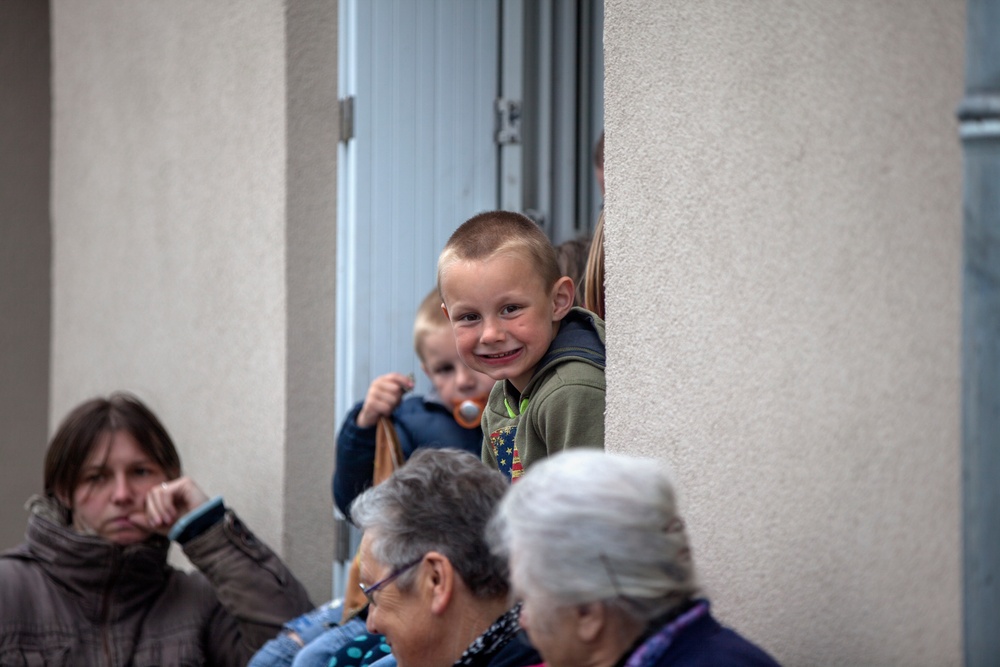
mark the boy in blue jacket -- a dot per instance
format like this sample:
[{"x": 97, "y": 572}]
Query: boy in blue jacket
[
  {"x": 434, "y": 420},
  {"x": 437, "y": 419}
]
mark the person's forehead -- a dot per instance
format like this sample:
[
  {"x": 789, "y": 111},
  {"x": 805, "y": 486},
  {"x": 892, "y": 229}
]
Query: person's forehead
[
  {"x": 510, "y": 275},
  {"x": 118, "y": 445},
  {"x": 371, "y": 568},
  {"x": 100, "y": 450},
  {"x": 439, "y": 342}
]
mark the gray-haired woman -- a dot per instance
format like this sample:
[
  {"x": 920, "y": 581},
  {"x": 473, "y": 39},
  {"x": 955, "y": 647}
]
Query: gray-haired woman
[
  {"x": 599, "y": 557},
  {"x": 434, "y": 589}
]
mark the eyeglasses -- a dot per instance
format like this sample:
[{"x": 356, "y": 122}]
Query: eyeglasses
[{"x": 370, "y": 590}]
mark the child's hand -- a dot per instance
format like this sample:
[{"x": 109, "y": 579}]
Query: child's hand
[{"x": 384, "y": 395}]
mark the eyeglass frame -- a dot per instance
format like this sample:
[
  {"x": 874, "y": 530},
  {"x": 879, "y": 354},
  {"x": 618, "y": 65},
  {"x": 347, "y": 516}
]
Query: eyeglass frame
[{"x": 369, "y": 591}]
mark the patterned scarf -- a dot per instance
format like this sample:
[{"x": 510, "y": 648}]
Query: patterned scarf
[
  {"x": 488, "y": 644},
  {"x": 657, "y": 644}
]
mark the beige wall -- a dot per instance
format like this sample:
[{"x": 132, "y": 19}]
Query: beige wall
[
  {"x": 783, "y": 195},
  {"x": 310, "y": 286},
  {"x": 177, "y": 243},
  {"x": 24, "y": 257},
  {"x": 783, "y": 257}
]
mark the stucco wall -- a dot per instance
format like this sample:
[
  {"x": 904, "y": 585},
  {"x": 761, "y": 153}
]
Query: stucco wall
[
  {"x": 25, "y": 117},
  {"x": 171, "y": 178},
  {"x": 783, "y": 295},
  {"x": 311, "y": 281}
]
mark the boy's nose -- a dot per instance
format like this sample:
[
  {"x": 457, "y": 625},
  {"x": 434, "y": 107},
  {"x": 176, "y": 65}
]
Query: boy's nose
[{"x": 492, "y": 331}]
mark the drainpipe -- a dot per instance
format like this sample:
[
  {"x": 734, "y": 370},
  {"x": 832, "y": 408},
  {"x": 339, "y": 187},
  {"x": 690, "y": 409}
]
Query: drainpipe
[{"x": 979, "y": 116}]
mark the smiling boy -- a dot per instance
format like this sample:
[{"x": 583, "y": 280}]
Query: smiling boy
[{"x": 513, "y": 317}]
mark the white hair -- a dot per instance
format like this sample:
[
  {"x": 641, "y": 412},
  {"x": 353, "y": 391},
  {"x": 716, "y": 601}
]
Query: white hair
[{"x": 585, "y": 526}]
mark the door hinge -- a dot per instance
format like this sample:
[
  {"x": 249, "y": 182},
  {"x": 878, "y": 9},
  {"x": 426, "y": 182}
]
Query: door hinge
[
  {"x": 508, "y": 121},
  {"x": 345, "y": 107}
]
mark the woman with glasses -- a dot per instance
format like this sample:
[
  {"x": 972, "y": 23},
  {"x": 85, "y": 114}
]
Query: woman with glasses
[
  {"x": 601, "y": 562},
  {"x": 434, "y": 590}
]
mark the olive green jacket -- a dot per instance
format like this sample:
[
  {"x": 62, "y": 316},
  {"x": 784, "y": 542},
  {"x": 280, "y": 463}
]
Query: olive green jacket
[{"x": 562, "y": 406}]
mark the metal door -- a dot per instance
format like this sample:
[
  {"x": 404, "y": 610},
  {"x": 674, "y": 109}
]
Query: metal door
[
  {"x": 421, "y": 159},
  {"x": 449, "y": 108}
]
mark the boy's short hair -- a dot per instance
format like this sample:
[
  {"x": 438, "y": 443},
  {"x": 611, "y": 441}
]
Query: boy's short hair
[
  {"x": 487, "y": 234},
  {"x": 429, "y": 318}
]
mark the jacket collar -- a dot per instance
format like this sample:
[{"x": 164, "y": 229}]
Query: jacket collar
[
  {"x": 580, "y": 338},
  {"x": 109, "y": 580}
]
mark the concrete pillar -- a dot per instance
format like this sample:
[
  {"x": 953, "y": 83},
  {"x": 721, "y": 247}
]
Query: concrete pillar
[
  {"x": 25, "y": 257},
  {"x": 783, "y": 243}
]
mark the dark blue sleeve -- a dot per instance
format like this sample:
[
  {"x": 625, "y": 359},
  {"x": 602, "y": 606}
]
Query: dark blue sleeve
[
  {"x": 355, "y": 461},
  {"x": 418, "y": 424},
  {"x": 422, "y": 424},
  {"x": 355, "y": 457},
  {"x": 706, "y": 643}
]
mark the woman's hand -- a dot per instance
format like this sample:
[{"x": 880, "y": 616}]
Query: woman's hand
[
  {"x": 168, "y": 502},
  {"x": 384, "y": 395}
]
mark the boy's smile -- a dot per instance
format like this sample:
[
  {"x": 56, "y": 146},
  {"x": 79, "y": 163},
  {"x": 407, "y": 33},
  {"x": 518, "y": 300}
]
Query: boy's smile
[{"x": 504, "y": 318}]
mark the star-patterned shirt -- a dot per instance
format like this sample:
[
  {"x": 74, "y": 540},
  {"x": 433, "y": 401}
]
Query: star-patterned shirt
[{"x": 505, "y": 452}]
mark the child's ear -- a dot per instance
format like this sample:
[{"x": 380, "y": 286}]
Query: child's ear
[
  {"x": 563, "y": 293},
  {"x": 444, "y": 309}
]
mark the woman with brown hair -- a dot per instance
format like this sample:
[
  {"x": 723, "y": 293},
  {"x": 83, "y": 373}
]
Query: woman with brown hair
[{"x": 91, "y": 584}]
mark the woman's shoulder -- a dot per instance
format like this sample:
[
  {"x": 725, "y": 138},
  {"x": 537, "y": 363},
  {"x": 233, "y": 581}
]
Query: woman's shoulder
[
  {"x": 516, "y": 653},
  {"x": 16, "y": 562},
  {"x": 13, "y": 563},
  {"x": 706, "y": 642},
  {"x": 23, "y": 582}
]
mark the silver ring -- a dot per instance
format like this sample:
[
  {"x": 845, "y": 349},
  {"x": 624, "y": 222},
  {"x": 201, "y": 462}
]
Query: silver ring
[{"x": 163, "y": 485}]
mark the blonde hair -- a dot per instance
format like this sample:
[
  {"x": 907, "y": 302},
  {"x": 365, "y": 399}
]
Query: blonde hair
[
  {"x": 429, "y": 319},
  {"x": 593, "y": 289},
  {"x": 493, "y": 232}
]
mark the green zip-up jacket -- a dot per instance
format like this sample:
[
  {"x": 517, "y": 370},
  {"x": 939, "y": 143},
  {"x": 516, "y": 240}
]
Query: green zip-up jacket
[{"x": 562, "y": 406}]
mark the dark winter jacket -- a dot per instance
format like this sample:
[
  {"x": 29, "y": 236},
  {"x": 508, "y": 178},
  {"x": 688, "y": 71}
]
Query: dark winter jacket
[
  {"x": 706, "y": 643},
  {"x": 72, "y": 599}
]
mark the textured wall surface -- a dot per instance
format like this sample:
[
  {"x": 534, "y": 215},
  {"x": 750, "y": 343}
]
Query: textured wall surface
[
  {"x": 25, "y": 117},
  {"x": 783, "y": 296},
  {"x": 310, "y": 236},
  {"x": 170, "y": 208}
]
